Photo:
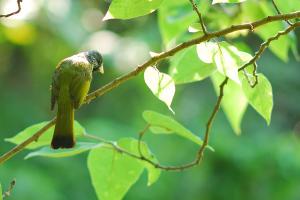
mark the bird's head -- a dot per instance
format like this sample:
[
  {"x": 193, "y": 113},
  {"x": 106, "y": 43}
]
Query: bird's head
[{"x": 95, "y": 58}]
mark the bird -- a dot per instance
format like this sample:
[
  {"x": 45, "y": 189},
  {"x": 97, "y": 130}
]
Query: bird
[{"x": 71, "y": 81}]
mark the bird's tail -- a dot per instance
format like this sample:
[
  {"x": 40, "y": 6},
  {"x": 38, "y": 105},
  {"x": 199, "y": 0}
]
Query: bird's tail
[{"x": 63, "y": 133}]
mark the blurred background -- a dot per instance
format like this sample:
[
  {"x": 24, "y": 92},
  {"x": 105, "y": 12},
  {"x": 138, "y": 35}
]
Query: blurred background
[{"x": 262, "y": 163}]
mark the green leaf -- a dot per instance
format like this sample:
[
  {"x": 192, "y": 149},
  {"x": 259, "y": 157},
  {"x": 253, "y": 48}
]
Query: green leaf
[
  {"x": 126, "y": 9},
  {"x": 195, "y": 27},
  {"x": 168, "y": 125},
  {"x": 234, "y": 102},
  {"x": 227, "y": 1},
  {"x": 186, "y": 67},
  {"x": 45, "y": 139},
  {"x": 58, "y": 153},
  {"x": 226, "y": 57},
  {"x": 113, "y": 173},
  {"x": 161, "y": 85},
  {"x": 260, "y": 97}
]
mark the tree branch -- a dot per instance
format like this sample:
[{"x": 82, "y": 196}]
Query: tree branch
[
  {"x": 121, "y": 80},
  {"x": 278, "y": 12},
  {"x": 15, "y": 12}
]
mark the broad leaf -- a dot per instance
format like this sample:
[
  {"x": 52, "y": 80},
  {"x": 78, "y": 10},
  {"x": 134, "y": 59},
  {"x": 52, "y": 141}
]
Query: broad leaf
[
  {"x": 227, "y": 1},
  {"x": 45, "y": 139},
  {"x": 1, "y": 192},
  {"x": 227, "y": 58},
  {"x": 234, "y": 102},
  {"x": 168, "y": 125},
  {"x": 161, "y": 85},
  {"x": 186, "y": 67},
  {"x": 260, "y": 97},
  {"x": 126, "y": 9},
  {"x": 58, "y": 153},
  {"x": 113, "y": 173}
]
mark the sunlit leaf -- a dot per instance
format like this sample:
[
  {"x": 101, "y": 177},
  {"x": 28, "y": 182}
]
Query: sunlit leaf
[
  {"x": 206, "y": 51},
  {"x": 124, "y": 9},
  {"x": 80, "y": 147},
  {"x": 260, "y": 97},
  {"x": 161, "y": 85},
  {"x": 45, "y": 139},
  {"x": 227, "y": 1},
  {"x": 229, "y": 59},
  {"x": 168, "y": 125},
  {"x": 186, "y": 67},
  {"x": 195, "y": 27},
  {"x": 113, "y": 173},
  {"x": 234, "y": 102}
]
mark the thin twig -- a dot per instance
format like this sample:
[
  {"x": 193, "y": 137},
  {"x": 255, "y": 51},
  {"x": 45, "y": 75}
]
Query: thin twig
[
  {"x": 121, "y": 80},
  {"x": 278, "y": 12},
  {"x": 265, "y": 45},
  {"x": 195, "y": 8},
  {"x": 15, "y": 12},
  {"x": 10, "y": 189}
]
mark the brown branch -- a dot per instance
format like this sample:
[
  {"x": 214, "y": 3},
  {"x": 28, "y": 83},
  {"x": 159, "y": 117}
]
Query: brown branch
[
  {"x": 15, "y": 12},
  {"x": 250, "y": 26},
  {"x": 121, "y": 80},
  {"x": 195, "y": 8}
]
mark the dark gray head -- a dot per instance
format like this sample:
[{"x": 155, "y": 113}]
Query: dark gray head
[{"x": 95, "y": 58}]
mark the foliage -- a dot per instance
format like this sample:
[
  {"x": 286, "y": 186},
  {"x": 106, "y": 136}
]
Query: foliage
[{"x": 115, "y": 166}]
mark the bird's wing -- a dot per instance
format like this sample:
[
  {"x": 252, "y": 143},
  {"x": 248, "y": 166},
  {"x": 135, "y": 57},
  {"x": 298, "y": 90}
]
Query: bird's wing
[
  {"x": 54, "y": 90},
  {"x": 79, "y": 87}
]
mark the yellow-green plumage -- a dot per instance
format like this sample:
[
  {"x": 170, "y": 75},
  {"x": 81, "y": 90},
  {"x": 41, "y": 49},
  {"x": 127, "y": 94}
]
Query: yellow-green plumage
[{"x": 70, "y": 85}]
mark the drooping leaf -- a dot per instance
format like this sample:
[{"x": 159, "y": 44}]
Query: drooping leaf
[
  {"x": 161, "y": 85},
  {"x": 80, "y": 147},
  {"x": 227, "y": 58},
  {"x": 234, "y": 102},
  {"x": 113, "y": 173},
  {"x": 126, "y": 9},
  {"x": 260, "y": 97},
  {"x": 168, "y": 125},
  {"x": 206, "y": 51},
  {"x": 227, "y": 1},
  {"x": 186, "y": 67},
  {"x": 45, "y": 139}
]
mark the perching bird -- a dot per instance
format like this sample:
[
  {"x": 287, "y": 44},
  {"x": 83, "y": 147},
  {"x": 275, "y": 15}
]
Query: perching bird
[{"x": 70, "y": 85}]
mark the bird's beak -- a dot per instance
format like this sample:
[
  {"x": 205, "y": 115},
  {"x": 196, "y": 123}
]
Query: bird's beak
[{"x": 101, "y": 69}]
